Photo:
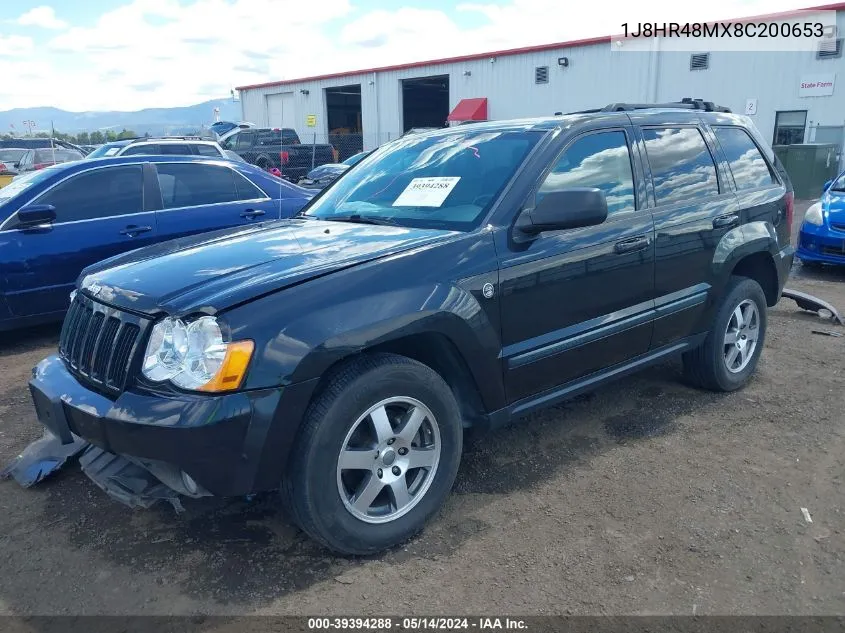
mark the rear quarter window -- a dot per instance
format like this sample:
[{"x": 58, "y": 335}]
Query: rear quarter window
[{"x": 748, "y": 167}]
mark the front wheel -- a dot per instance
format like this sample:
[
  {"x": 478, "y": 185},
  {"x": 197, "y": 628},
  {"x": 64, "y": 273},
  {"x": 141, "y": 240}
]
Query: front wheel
[
  {"x": 729, "y": 355},
  {"x": 377, "y": 455}
]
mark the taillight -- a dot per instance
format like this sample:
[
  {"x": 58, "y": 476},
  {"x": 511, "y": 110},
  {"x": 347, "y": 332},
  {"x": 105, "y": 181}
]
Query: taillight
[
  {"x": 3, "y": 167},
  {"x": 790, "y": 210},
  {"x": 285, "y": 157}
]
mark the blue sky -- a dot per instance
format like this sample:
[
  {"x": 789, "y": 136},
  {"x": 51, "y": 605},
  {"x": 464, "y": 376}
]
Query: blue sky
[{"x": 132, "y": 54}]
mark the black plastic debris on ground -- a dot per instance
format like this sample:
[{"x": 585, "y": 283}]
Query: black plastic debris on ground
[
  {"x": 126, "y": 481},
  {"x": 813, "y": 304},
  {"x": 43, "y": 457}
]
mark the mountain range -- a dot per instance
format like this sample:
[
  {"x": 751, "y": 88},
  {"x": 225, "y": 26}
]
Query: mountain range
[{"x": 153, "y": 121}]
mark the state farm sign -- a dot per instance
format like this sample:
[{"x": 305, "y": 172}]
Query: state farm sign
[{"x": 816, "y": 85}]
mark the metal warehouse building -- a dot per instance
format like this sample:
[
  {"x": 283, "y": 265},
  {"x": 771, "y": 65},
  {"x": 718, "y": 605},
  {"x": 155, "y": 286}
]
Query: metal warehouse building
[{"x": 792, "y": 96}]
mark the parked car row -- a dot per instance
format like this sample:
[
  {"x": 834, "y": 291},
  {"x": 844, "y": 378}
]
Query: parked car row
[
  {"x": 56, "y": 221},
  {"x": 458, "y": 278}
]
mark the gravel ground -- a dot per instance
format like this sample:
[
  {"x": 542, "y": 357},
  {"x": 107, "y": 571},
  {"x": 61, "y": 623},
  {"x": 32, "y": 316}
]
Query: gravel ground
[{"x": 646, "y": 497}]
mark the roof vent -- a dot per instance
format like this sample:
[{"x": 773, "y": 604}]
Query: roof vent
[
  {"x": 699, "y": 61},
  {"x": 829, "y": 49},
  {"x": 541, "y": 75}
]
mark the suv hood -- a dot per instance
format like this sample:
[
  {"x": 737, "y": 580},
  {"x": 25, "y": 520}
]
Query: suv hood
[{"x": 213, "y": 271}]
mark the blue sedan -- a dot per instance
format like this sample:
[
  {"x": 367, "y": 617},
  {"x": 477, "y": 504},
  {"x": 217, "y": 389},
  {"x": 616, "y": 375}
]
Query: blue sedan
[
  {"x": 822, "y": 236},
  {"x": 56, "y": 221}
]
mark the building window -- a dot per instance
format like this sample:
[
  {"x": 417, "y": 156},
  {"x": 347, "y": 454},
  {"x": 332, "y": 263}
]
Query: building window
[
  {"x": 699, "y": 61},
  {"x": 829, "y": 49},
  {"x": 541, "y": 75},
  {"x": 789, "y": 127}
]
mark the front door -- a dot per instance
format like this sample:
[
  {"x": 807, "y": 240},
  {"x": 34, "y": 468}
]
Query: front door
[
  {"x": 574, "y": 302},
  {"x": 99, "y": 213}
]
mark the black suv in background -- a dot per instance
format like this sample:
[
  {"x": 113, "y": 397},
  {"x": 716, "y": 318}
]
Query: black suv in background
[{"x": 452, "y": 279}]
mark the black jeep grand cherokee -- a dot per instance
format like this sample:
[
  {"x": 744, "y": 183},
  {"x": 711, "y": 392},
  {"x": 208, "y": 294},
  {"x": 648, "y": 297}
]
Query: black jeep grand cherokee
[{"x": 464, "y": 277}]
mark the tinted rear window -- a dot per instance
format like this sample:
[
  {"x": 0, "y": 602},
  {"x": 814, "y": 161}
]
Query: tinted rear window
[
  {"x": 681, "y": 165},
  {"x": 748, "y": 167},
  {"x": 56, "y": 155},
  {"x": 190, "y": 184}
]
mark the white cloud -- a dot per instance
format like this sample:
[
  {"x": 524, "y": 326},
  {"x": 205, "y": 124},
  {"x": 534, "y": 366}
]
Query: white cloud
[
  {"x": 150, "y": 53},
  {"x": 15, "y": 46},
  {"x": 44, "y": 17}
]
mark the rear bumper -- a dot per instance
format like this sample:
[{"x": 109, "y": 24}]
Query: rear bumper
[{"x": 230, "y": 445}]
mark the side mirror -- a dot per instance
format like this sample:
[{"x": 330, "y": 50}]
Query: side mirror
[
  {"x": 826, "y": 185},
  {"x": 565, "y": 209},
  {"x": 36, "y": 214}
]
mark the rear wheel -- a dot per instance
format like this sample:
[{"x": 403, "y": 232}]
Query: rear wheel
[
  {"x": 377, "y": 455},
  {"x": 729, "y": 355}
]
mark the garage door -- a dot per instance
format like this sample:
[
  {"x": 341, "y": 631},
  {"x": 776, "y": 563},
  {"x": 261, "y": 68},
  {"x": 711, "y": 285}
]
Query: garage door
[{"x": 280, "y": 110}]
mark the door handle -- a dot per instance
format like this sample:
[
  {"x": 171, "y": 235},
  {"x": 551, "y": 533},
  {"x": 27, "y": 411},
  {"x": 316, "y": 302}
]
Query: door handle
[
  {"x": 252, "y": 213},
  {"x": 132, "y": 230},
  {"x": 724, "y": 221},
  {"x": 633, "y": 244}
]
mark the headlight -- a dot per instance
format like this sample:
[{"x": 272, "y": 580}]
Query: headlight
[
  {"x": 195, "y": 356},
  {"x": 814, "y": 214}
]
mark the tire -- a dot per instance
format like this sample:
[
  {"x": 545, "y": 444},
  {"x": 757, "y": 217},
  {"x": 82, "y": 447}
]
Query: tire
[
  {"x": 321, "y": 495},
  {"x": 263, "y": 163},
  {"x": 707, "y": 365}
]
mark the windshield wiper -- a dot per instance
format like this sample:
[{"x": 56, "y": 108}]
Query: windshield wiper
[{"x": 362, "y": 219}]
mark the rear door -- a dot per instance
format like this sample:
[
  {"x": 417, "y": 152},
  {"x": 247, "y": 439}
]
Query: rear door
[
  {"x": 99, "y": 213},
  {"x": 199, "y": 197},
  {"x": 693, "y": 208}
]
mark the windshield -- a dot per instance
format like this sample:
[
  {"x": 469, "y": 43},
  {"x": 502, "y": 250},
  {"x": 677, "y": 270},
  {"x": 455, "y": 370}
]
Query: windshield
[
  {"x": 24, "y": 181},
  {"x": 444, "y": 181},
  {"x": 109, "y": 149},
  {"x": 838, "y": 184},
  {"x": 11, "y": 155}
]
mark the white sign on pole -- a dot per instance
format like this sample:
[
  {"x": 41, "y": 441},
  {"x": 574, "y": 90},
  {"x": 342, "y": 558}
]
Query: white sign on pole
[{"x": 816, "y": 85}]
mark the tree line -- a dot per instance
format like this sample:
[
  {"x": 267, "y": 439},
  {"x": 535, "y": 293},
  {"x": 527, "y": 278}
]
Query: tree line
[{"x": 83, "y": 138}]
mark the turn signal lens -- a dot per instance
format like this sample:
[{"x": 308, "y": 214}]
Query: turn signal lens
[{"x": 233, "y": 368}]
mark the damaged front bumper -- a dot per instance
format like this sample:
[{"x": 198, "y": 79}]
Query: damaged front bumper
[{"x": 192, "y": 444}]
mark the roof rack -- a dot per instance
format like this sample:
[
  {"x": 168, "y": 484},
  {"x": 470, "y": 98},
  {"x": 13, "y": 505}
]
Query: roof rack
[{"x": 686, "y": 103}]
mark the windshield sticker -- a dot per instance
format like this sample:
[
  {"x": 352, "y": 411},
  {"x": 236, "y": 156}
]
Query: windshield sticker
[
  {"x": 427, "y": 192},
  {"x": 112, "y": 151}
]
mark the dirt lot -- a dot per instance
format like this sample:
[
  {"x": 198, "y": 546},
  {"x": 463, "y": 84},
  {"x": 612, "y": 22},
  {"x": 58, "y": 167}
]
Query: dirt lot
[{"x": 646, "y": 497}]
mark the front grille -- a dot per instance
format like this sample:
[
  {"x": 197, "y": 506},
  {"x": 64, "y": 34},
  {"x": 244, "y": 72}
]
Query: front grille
[
  {"x": 98, "y": 343},
  {"x": 837, "y": 226}
]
